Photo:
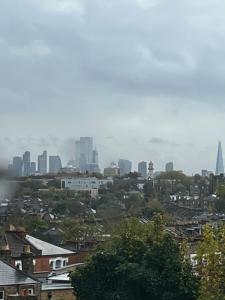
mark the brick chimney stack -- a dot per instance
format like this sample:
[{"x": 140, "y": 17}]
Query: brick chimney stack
[{"x": 27, "y": 260}]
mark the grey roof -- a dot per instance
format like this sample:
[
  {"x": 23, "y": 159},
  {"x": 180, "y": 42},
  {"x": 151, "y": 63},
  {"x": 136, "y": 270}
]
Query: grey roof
[
  {"x": 47, "y": 248},
  {"x": 12, "y": 276}
]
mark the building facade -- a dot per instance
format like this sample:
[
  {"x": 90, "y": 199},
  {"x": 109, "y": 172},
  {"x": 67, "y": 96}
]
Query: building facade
[
  {"x": 26, "y": 163},
  {"x": 82, "y": 184},
  {"x": 142, "y": 169},
  {"x": 33, "y": 168},
  {"x": 55, "y": 164},
  {"x": 17, "y": 166},
  {"x": 86, "y": 157},
  {"x": 42, "y": 163},
  {"x": 169, "y": 167},
  {"x": 125, "y": 166}
]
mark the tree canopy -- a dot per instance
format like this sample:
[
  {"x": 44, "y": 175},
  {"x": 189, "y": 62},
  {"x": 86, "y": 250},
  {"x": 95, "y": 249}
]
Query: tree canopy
[{"x": 140, "y": 262}]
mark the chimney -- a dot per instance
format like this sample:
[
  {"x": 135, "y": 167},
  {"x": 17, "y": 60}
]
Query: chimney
[
  {"x": 5, "y": 253},
  {"x": 27, "y": 260},
  {"x": 11, "y": 227},
  {"x": 20, "y": 231}
]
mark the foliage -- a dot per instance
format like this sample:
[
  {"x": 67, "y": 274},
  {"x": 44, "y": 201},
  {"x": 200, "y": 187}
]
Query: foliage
[
  {"x": 77, "y": 232},
  {"x": 56, "y": 183},
  {"x": 220, "y": 192},
  {"x": 220, "y": 205},
  {"x": 211, "y": 264},
  {"x": 149, "y": 190},
  {"x": 152, "y": 208},
  {"x": 176, "y": 175},
  {"x": 140, "y": 262}
]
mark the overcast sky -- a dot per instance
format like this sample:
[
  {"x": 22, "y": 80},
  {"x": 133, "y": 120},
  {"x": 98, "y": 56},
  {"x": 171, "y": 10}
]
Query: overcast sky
[{"x": 145, "y": 78}]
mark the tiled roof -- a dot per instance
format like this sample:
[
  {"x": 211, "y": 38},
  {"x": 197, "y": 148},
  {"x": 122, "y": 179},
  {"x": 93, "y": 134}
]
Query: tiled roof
[
  {"x": 47, "y": 249},
  {"x": 16, "y": 244},
  {"x": 12, "y": 276}
]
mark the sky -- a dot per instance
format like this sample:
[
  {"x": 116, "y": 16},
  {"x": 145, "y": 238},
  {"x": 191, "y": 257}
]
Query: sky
[{"x": 145, "y": 78}]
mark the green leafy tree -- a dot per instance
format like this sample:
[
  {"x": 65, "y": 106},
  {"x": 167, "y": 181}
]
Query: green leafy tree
[
  {"x": 141, "y": 262},
  {"x": 211, "y": 264}
]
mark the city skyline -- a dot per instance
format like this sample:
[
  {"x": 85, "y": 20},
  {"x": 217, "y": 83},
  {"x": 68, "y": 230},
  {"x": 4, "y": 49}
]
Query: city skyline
[{"x": 87, "y": 151}]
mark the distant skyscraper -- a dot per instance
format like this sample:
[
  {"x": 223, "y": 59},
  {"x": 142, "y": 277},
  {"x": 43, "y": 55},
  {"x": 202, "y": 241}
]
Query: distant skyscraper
[
  {"x": 17, "y": 166},
  {"x": 206, "y": 173},
  {"x": 86, "y": 158},
  {"x": 219, "y": 161},
  {"x": 142, "y": 168},
  {"x": 169, "y": 167},
  {"x": 55, "y": 164},
  {"x": 32, "y": 168},
  {"x": 95, "y": 157},
  {"x": 42, "y": 163},
  {"x": 26, "y": 164},
  {"x": 125, "y": 166}
]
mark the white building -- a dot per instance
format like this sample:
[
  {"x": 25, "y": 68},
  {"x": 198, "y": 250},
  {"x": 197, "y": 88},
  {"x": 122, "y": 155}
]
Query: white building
[{"x": 91, "y": 184}]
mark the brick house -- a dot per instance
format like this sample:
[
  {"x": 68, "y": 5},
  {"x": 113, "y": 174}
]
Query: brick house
[
  {"x": 17, "y": 285},
  {"x": 15, "y": 245}
]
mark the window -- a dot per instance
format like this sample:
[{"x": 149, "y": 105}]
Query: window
[
  {"x": 58, "y": 264},
  {"x": 1, "y": 295},
  {"x": 31, "y": 291},
  {"x": 51, "y": 265},
  {"x": 18, "y": 265},
  {"x": 64, "y": 263}
]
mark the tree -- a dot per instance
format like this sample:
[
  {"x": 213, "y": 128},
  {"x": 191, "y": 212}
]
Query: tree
[
  {"x": 211, "y": 264},
  {"x": 220, "y": 192},
  {"x": 176, "y": 175},
  {"x": 141, "y": 262}
]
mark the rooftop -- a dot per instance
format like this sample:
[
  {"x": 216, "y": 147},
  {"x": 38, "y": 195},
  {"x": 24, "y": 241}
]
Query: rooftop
[
  {"x": 13, "y": 276},
  {"x": 47, "y": 248}
]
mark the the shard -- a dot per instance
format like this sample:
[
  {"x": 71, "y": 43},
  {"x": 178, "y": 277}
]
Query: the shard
[{"x": 219, "y": 161}]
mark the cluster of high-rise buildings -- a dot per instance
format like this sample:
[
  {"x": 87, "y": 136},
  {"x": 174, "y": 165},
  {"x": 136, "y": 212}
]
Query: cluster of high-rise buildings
[
  {"x": 85, "y": 160},
  {"x": 23, "y": 166}
]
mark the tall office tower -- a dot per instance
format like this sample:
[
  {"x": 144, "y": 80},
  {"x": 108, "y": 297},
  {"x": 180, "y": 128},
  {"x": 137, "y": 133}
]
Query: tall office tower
[
  {"x": 125, "y": 166},
  {"x": 83, "y": 152},
  {"x": 55, "y": 164},
  {"x": 95, "y": 157},
  {"x": 219, "y": 161},
  {"x": 26, "y": 164},
  {"x": 33, "y": 168},
  {"x": 17, "y": 166},
  {"x": 42, "y": 163},
  {"x": 142, "y": 168},
  {"x": 169, "y": 167}
]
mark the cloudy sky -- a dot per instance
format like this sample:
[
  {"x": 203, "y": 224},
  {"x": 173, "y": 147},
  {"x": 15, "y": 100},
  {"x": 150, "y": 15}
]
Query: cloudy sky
[{"x": 145, "y": 78}]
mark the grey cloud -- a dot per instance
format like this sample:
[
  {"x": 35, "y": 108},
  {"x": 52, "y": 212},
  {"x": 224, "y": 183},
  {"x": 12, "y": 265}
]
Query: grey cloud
[
  {"x": 128, "y": 69},
  {"x": 160, "y": 141},
  {"x": 163, "y": 52}
]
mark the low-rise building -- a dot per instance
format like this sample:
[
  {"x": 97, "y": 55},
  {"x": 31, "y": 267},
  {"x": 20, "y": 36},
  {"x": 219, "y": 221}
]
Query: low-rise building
[
  {"x": 82, "y": 184},
  {"x": 15, "y": 284},
  {"x": 16, "y": 246}
]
